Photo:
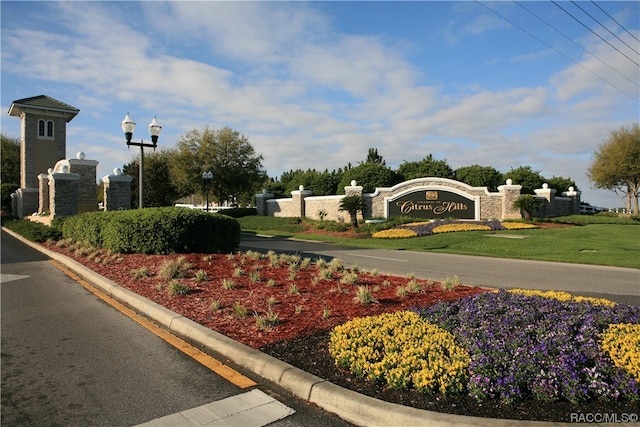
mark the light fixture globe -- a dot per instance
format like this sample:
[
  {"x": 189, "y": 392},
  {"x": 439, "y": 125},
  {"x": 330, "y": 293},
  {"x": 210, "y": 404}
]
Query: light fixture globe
[
  {"x": 154, "y": 130},
  {"x": 128, "y": 127}
]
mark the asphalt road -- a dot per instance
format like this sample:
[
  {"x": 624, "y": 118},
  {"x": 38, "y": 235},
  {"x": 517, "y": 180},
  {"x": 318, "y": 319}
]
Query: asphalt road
[
  {"x": 69, "y": 359},
  {"x": 614, "y": 283}
]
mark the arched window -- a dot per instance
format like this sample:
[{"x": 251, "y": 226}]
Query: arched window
[{"x": 45, "y": 128}]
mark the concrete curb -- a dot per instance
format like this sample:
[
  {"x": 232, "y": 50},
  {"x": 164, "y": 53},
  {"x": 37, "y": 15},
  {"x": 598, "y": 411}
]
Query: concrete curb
[{"x": 347, "y": 404}]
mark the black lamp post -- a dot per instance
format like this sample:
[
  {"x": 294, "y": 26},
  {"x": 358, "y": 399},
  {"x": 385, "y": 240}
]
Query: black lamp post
[
  {"x": 128, "y": 126},
  {"x": 207, "y": 177}
]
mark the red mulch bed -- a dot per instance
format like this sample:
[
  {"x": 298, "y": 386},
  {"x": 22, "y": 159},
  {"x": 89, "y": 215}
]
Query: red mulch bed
[{"x": 299, "y": 314}]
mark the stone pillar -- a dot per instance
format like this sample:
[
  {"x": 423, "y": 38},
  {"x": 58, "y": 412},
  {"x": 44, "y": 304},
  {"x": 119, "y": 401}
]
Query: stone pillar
[
  {"x": 510, "y": 194},
  {"x": 64, "y": 193},
  {"x": 117, "y": 191},
  {"x": 575, "y": 200},
  {"x": 86, "y": 169},
  {"x": 261, "y": 202},
  {"x": 27, "y": 201},
  {"x": 548, "y": 194},
  {"x": 298, "y": 200},
  {"x": 43, "y": 188}
]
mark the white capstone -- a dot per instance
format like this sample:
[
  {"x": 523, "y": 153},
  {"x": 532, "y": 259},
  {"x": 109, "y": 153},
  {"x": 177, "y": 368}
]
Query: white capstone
[
  {"x": 571, "y": 189},
  {"x": 50, "y": 171},
  {"x": 509, "y": 181},
  {"x": 301, "y": 188},
  {"x": 353, "y": 183},
  {"x": 264, "y": 191},
  {"x": 80, "y": 155},
  {"x": 545, "y": 185},
  {"x": 117, "y": 171}
]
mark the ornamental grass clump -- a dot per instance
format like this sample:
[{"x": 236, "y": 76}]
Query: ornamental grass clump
[
  {"x": 529, "y": 346},
  {"x": 402, "y": 350}
]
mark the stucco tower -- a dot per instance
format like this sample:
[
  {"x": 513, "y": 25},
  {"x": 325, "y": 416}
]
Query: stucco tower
[{"x": 43, "y": 142}]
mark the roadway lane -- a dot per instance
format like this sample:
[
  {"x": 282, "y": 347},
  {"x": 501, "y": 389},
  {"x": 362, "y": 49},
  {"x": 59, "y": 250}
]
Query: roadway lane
[
  {"x": 614, "y": 283},
  {"x": 70, "y": 359}
]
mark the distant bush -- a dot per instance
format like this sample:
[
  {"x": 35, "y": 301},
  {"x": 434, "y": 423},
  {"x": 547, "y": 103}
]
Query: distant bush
[
  {"x": 600, "y": 218},
  {"x": 271, "y": 223},
  {"x": 238, "y": 212},
  {"x": 34, "y": 231},
  {"x": 155, "y": 231},
  {"x": 6, "y": 190}
]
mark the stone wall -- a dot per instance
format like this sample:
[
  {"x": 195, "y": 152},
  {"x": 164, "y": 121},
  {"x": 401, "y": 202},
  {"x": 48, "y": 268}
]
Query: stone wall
[{"x": 486, "y": 205}]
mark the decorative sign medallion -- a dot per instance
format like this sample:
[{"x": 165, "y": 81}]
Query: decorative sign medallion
[{"x": 433, "y": 204}]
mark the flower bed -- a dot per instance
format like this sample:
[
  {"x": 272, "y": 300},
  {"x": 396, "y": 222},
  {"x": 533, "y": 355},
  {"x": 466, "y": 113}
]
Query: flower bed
[
  {"x": 525, "y": 346},
  {"x": 426, "y": 228},
  {"x": 505, "y": 346}
]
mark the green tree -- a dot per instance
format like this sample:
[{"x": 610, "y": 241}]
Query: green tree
[
  {"x": 352, "y": 204},
  {"x": 369, "y": 176},
  {"x": 158, "y": 185},
  {"x": 526, "y": 177},
  {"x": 527, "y": 205},
  {"x": 321, "y": 183},
  {"x": 480, "y": 176},
  {"x": 427, "y": 167},
  {"x": 616, "y": 165},
  {"x": 237, "y": 169},
  {"x": 374, "y": 157},
  {"x": 10, "y": 160},
  {"x": 561, "y": 184}
]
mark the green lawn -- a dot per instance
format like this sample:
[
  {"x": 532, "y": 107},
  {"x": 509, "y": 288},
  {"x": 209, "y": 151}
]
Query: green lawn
[{"x": 601, "y": 244}]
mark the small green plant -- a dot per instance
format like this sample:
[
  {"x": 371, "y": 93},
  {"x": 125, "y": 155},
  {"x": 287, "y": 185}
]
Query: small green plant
[
  {"x": 216, "y": 304},
  {"x": 176, "y": 288},
  {"x": 174, "y": 268},
  {"x": 305, "y": 263},
  {"x": 450, "y": 283},
  {"x": 349, "y": 278},
  {"x": 364, "y": 296},
  {"x": 326, "y": 313},
  {"x": 414, "y": 287},
  {"x": 293, "y": 275},
  {"x": 271, "y": 283},
  {"x": 401, "y": 291},
  {"x": 293, "y": 289},
  {"x": 375, "y": 272},
  {"x": 228, "y": 284},
  {"x": 322, "y": 214},
  {"x": 207, "y": 258},
  {"x": 254, "y": 276},
  {"x": 298, "y": 309},
  {"x": 237, "y": 272},
  {"x": 321, "y": 262},
  {"x": 411, "y": 276},
  {"x": 269, "y": 320},
  {"x": 326, "y": 274},
  {"x": 140, "y": 273},
  {"x": 315, "y": 280},
  {"x": 336, "y": 264},
  {"x": 271, "y": 301},
  {"x": 253, "y": 255},
  {"x": 239, "y": 309},
  {"x": 201, "y": 276}
]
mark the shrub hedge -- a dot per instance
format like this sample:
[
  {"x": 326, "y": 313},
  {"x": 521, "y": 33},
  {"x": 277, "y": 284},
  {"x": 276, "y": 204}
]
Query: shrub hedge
[
  {"x": 155, "y": 231},
  {"x": 34, "y": 231}
]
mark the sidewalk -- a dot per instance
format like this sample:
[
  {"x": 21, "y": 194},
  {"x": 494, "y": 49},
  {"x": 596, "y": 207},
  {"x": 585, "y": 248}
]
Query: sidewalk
[{"x": 348, "y": 405}]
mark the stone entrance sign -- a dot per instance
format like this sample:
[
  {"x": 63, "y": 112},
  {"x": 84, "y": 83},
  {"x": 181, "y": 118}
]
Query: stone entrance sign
[{"x": 432, "y": 204}]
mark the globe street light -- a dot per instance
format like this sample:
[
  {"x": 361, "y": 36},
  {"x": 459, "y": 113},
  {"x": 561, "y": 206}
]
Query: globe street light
[
  {"x": 207, "y": 177},
  {"x": 128, "y": 127}
]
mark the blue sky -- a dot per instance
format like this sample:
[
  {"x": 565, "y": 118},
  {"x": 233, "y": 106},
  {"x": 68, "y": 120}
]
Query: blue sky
[{"x": 315, "y": 84}]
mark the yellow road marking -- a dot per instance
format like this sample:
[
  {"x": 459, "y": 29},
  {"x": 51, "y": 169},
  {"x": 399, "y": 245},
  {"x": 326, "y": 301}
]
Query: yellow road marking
[{"x": 211, "y": 363}]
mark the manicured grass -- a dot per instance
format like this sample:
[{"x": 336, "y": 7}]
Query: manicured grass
[{"x": 598, "y": 244}]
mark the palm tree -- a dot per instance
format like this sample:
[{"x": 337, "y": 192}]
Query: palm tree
[
  {"x": 352, "y": 204},
  {"x": 527, "y": 205}
]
